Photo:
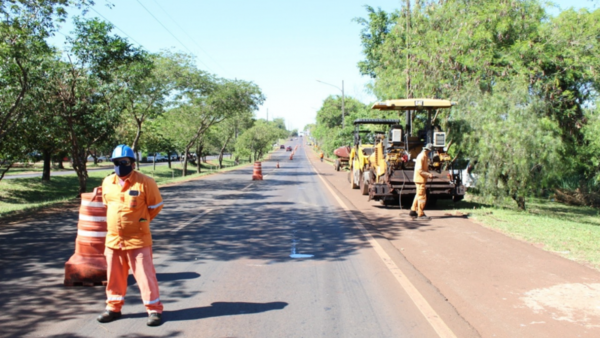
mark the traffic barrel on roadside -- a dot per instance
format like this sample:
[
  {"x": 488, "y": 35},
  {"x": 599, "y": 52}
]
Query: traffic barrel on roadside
[
  {"x": 257, "y": 174},
  {"x": 277, "y": 166},
  {"x": 292, "y": 156},
  {"x": 87, "y": 266}
]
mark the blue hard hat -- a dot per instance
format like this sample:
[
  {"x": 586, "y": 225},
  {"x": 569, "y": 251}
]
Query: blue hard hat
[{"x": 122, "y": 151}]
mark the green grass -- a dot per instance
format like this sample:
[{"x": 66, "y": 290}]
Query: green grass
[
  {"x": 571, "y": 231},
  {"x": 17, "y": 195}
]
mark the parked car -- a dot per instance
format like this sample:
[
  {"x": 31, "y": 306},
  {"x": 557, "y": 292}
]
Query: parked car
[
  {"x": 282, "y": 146},
  {"x": 100, "y": 158},
  {"x": 159, "y": 158},
  {"x": 288, "y": 148}
]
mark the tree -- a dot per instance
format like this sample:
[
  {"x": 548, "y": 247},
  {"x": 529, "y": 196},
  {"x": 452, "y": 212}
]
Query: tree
[
  {"x": 87, "y": 89},
  {"x": 258, "y": 139},
  {"x": 499, "y": 51},
  {"x": 23, "y": 29},
  {"x": 328, "y": 132}
]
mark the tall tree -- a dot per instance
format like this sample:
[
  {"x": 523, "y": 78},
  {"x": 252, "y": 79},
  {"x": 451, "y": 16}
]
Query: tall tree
[
  {"x": 87, "y": 88},
  {"x": 24, "y": 26}
]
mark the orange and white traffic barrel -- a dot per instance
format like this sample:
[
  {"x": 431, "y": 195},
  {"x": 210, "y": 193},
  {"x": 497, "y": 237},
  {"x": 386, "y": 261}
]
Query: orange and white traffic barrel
[
  {"x": 257, "y": 174},
  {"x": 87, "y": 266}
]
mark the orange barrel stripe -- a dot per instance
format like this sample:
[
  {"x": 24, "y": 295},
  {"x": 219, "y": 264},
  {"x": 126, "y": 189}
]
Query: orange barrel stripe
[
  {"x": 88, "y": 265},
  {"x": 257, "y": 174}
]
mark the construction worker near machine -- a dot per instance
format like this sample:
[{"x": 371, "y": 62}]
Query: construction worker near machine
[
  {"x": 132, "y": 200},
  {"x": 321, "y": 156},
  {"x": 420, "y": 178}
]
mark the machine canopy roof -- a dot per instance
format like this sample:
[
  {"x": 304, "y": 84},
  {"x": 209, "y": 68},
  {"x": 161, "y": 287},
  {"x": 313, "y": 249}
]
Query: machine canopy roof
[
  {"x": 413, "y": 104},
  {"x": 375, "y": 121}
]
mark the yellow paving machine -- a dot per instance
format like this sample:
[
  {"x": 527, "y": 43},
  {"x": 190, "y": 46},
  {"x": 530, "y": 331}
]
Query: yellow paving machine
[
  {"x": 389, "y": 177},
  {"x": 364, "y": 143}
]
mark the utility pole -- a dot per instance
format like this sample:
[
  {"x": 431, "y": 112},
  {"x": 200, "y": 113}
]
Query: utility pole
[{"x": 343, "y": 111}]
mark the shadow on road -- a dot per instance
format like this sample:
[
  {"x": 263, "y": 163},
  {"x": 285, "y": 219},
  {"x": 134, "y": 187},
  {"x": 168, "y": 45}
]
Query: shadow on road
[
  {"x": 218, "y": 309},
  {"x": 224, "y": 218}
]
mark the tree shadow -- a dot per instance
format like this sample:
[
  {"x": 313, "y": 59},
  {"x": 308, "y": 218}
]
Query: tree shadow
[{"x": 221, "y": 218}]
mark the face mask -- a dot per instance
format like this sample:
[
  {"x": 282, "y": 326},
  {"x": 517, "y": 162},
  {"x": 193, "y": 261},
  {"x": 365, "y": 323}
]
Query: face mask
[{"x": 123, "y": 170}]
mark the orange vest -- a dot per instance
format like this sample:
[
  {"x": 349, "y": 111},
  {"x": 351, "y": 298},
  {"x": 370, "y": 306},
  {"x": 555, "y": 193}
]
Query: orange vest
[
  {"x": 421, "y": 166},
  {"x": 130, "y": 208}
]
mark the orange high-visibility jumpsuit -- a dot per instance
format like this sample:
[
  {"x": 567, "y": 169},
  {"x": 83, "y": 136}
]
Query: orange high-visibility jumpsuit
[
  {"x": 420, "y": 177},
  {"x": 131, "y": 205}
]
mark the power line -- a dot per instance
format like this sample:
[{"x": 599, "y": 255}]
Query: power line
[
  {"x": 186, "y": 33},
  {"x": 122, "y": 31},
  {"x": 173, "y": 35}
]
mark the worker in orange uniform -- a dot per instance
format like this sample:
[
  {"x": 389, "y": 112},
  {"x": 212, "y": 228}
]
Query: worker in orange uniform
[
  {"x": 321, "y": 156},
  {"x": 132, "y": 200},
  {"x": 420, "y": 177}
]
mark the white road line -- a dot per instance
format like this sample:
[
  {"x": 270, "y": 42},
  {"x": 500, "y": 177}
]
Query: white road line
[
  {"x": 248, "y": 186},
  {"x": 432, "y": 317},
  {"x": 191, "y": 220}
]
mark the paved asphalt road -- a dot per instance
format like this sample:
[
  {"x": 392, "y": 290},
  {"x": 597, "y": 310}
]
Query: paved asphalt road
[
  {"x": 234, "y": 258},
  {"x": 300, "y": 254}
]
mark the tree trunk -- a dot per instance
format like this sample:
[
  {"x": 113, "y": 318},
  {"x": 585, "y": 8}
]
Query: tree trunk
[
  {"x": 59, "y": 161},
  {"x": 520, "y": 201},
  {"x": 79, "y": 165},
  {"x": 136, "y": 139},
  {"x": 4, "y": 171},
  {"x": 47, "y": 157},
  {"x": 199, "y": 148},
  {"x": 222, "y": 151},
  {"x": 185, "y": 158},
  {"x": 169, "y": 158}
]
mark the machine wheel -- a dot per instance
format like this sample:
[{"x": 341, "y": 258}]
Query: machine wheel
[
  {"x": 337, "y": 165},
  {"x": 355, "y": 177},
  {"x": 364, "y": 187},
  {"x": 457, "y": 198}
]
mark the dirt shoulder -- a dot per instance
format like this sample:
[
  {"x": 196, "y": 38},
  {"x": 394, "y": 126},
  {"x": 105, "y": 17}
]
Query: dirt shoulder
[{"x": 502, "y": 286}]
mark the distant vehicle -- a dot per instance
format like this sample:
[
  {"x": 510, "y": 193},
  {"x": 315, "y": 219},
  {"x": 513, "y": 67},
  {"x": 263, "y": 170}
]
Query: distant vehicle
[
  {"x": 100, "y": 159},
  {"x": 288, "y": 148},
  {"x": 159, "y": 158},
  {"x": 282, "y": 146},
  {"x": 291, "y": 139}
]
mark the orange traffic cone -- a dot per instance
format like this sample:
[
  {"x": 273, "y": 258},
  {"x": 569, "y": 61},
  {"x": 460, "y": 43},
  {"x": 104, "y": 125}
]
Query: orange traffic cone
[
  {"x": 292, "y": 156},
  {"x": 88, "y": 265},
  {"x": 257, "y": 174},
  {"x": 277, "y": 166}
]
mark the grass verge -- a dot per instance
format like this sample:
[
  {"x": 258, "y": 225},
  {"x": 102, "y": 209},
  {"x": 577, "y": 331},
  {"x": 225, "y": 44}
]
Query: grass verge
[
  {"x": 24, "y": 194},
  {"x": 570, "y": 231}
]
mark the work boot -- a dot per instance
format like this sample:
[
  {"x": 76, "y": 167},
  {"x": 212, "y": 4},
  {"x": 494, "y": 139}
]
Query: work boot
[
  {"x": 154, "y": 319},
  {"x": 424, "y": 218},
  {"x": 108, "y": 316},
  {"x": 412, "y": 214}
]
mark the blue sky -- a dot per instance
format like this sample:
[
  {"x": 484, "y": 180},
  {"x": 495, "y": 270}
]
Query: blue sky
[{"x": 282, "y": 46}]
